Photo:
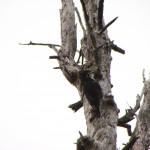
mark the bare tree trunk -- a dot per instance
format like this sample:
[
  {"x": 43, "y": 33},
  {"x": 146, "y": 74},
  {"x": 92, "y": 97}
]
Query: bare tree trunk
[{"x": 96, "y": 49}]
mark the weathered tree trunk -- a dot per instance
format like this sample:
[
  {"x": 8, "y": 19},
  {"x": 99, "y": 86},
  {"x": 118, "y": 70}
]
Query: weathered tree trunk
[{"x": 96, "y": 49}]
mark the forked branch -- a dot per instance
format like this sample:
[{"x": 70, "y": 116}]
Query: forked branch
[{"x": 130, "y": 113}]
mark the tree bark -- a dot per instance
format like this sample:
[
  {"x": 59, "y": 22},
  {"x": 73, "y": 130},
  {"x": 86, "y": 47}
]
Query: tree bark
[{"x": 96, "y": 47}]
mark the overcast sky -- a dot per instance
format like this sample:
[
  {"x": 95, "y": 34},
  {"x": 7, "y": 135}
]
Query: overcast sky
[{"x": 34, "y": 97}]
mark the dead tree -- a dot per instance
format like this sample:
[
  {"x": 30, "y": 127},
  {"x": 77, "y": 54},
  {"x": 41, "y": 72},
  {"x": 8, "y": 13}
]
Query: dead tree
[{"x": 93, "y": 81}]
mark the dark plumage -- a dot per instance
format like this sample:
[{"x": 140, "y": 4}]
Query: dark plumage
[{"x": 92, "y": 90}]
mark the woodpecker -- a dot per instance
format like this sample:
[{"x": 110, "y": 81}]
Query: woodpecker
[{"x": 92, "y": 91}]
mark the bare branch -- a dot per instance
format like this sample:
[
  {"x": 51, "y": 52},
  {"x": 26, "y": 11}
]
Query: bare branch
[
  {"x": 56, "y": 68},
  {"x": 80, "y": 21},
  {"x": 76, "y": 106},
  {"x": 54, "y": 57},
  {"x": 104, "y": 28},
  {"x": 100, "y": 14},
  {"x": 116, "y": 48},
  {"x": 53, "y": 46},
  {"x": 81, "y": 135},
  {"x": 130, "y": 144},
  {"x": 131, "y": 112}
]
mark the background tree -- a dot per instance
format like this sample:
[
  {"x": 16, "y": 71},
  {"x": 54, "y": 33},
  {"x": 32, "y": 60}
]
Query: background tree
[{"x": 96, "y": 50}]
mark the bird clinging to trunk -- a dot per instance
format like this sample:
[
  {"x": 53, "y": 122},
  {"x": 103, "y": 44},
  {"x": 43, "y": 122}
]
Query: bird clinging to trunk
[{"x": 92, "y": 91}]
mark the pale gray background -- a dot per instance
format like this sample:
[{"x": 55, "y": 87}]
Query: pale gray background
[{"x": 34, "y": 97}]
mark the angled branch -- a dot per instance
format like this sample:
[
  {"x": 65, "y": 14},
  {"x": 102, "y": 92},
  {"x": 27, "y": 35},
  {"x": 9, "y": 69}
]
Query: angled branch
[
  {"x": 116, "y": 48},
  {"x": 53, "y": 46},
  {"x": 80, "y": 21},
  {"x": 104, "y": 28},
  {"x": 76, "y": 106},
  {"x": 100, "y": 14},
  {"x": 54, "y": 57},
  {"x": 130, "y": 113},
  {"x": 130, "y": 144},
  {"x": 81, "y": 135},
  {"x": 56, "y": 68},
  {"x": 42, "y": 44}
]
